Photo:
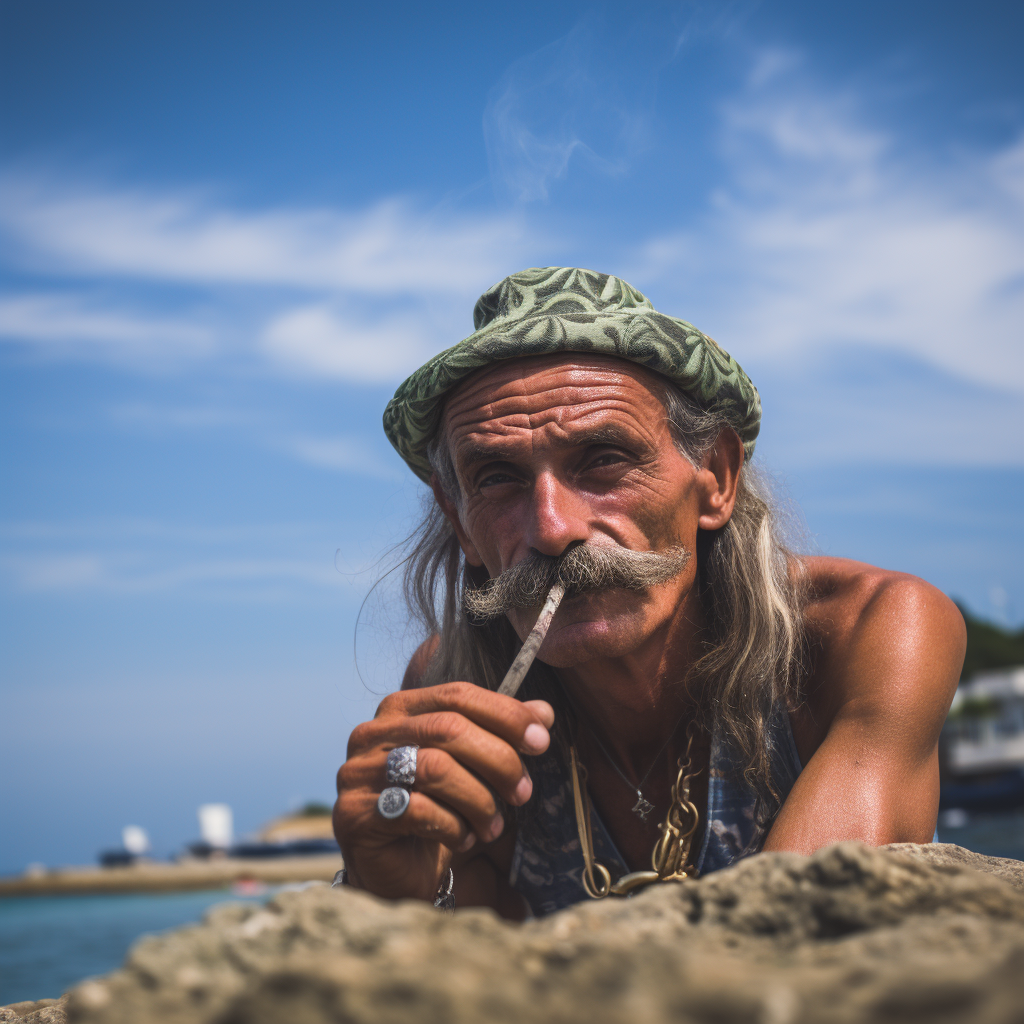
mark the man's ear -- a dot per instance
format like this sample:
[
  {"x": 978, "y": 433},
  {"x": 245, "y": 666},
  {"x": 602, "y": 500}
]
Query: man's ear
[
  {"x": 451, "y": 513},
  {"x": 720, "y": 476}
]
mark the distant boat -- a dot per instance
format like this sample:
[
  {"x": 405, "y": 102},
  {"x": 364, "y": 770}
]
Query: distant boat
[
  {"x": 294, "y": 848},
  {"x": 982, "y": 744},
  {"x": 1001, "y": 792}
]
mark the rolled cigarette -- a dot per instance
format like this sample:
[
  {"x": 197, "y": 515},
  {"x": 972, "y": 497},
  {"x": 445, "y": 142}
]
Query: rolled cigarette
[{"x": 531, "y": 645}]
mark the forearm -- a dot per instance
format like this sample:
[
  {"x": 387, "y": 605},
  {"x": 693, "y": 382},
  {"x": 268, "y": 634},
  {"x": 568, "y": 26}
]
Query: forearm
[
  {"x": 863, "y": 796},
  {"x": 886, "y": 674}
]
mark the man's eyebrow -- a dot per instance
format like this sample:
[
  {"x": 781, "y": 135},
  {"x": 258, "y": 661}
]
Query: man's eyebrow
[{"x": 501, "y": 450}]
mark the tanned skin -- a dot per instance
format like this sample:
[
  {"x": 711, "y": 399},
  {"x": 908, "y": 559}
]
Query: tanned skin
[{"x": 556, "y": 450}]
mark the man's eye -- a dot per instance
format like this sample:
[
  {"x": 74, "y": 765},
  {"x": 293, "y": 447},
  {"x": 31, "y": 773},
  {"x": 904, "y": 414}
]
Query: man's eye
[
  {"x": 493, "y": 479},
  {"x": 606, "y": 459}
]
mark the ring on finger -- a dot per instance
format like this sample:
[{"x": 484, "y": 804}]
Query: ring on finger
[
  {"x": 392, "y": 802},
  {"x": 401, "y": 766}
]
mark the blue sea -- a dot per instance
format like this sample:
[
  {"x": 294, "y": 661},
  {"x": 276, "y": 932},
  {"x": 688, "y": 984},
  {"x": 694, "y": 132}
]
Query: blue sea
[{"x": 47, "y": 944}]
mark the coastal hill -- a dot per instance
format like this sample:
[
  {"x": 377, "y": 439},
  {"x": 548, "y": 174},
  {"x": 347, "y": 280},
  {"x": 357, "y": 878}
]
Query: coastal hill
[
  {"x": 990, "y": 646},
  {"x": 312, "y": 822}
]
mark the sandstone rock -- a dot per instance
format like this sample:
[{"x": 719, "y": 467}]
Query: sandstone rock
[
  {"x": 38, "y": 1011},
  {"x": 851, "y": 934},
  {"x": 946, "y": 854}
]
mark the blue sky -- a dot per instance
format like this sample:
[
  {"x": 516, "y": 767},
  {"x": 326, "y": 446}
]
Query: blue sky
[{"x": 227, "y": 231}]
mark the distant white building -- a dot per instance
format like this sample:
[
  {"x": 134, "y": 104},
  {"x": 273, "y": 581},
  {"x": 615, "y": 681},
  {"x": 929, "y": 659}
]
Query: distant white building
[
  {"x": 216, "y": 825},
  {"x": 135, "y": 840},
  {"x": 985, "y": 729}
]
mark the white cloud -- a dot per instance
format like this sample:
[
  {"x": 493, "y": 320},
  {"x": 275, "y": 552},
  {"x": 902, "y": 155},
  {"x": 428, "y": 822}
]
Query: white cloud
[
  {"x": 345, "y": 453},
  {"x": 390, "y": 248},
  {"x": 158, "y": 417},
  {"x": 72, "y": 325},
  {"x": 114, "y": 574},
  {"x": 59, "y": 572},
  {"x": 320, "y": 341},
  {"x": 875, "y": 406},
  {"x": 119, "y": 558},
  {"x": 382, "y": 288},
  {"x": 348, "y": 454},
  {"x": 828, "y": 233}
]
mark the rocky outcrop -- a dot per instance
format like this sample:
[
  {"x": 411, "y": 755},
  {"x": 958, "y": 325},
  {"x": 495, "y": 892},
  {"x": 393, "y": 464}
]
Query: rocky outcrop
[
  {"x": 39, "y": 1011},
  {"x": 851, "y": 934}
]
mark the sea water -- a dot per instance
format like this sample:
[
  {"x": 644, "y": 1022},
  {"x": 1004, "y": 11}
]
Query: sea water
[
  {"x": 47, "y": 944},
  {"x": 996, "y": 835}
]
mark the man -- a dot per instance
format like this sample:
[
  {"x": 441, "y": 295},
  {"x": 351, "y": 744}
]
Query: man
[{"x": 700, "y": 684}]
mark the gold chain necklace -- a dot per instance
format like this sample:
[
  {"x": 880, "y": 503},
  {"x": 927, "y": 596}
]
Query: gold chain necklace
[{"x": 671, "y": 850}]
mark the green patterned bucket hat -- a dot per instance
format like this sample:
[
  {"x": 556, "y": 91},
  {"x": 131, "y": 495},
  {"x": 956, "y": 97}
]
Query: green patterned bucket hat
[{"x": 547, "y": 310}]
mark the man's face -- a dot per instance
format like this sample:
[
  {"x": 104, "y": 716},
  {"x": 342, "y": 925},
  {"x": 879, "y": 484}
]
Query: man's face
[{"x": 555, "y": 450}]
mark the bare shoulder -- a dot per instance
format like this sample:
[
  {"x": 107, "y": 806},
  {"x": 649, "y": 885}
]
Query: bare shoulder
[
  {"x": 844, "y": 597},
  {"x": 881, "y": 643},
  {"x": 418, "y": 663}
]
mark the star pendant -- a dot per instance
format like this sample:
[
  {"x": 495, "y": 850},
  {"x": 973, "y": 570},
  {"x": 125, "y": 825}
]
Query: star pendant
[{"x": 642, "y": 807}]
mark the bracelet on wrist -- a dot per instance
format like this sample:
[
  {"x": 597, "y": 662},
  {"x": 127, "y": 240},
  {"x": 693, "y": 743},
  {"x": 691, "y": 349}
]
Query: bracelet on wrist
[{"x": 444, "y": 898}]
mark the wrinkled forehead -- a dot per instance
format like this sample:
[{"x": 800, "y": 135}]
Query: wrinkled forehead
[{"x": 528, "y": 385}]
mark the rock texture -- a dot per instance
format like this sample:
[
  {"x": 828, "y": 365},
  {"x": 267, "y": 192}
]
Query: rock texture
[
  {"x": 851, "y": 934},
  {"x": 39, "y": 1011}
]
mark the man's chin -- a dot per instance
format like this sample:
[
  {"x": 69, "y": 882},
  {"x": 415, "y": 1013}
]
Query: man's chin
[
  {"x": 574, "y": 643},
  {"x": 599, "y": 624}
]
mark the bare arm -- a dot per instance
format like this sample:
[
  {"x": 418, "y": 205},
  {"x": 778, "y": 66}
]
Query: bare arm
[{"x": 891, "y": 652}]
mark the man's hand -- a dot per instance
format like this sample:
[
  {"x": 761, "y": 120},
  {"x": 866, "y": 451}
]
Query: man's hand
[{"x": 470, "y": 740}]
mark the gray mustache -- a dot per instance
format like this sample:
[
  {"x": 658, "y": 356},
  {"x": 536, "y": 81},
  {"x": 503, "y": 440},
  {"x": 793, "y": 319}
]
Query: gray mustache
[{"x": 584, "y": 568}]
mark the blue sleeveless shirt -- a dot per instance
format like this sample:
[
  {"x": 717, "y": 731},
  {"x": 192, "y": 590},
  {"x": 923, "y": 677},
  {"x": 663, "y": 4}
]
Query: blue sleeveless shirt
[{"x": 547, "y": 866}]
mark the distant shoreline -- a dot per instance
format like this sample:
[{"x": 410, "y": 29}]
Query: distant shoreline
[{"x": 181, "y": 877}]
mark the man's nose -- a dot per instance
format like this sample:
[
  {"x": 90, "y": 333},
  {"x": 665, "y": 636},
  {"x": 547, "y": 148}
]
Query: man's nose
[{"x": 557, "y": 518}]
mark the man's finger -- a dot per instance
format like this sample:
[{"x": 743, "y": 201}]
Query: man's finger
[
  {"x": 504, "y": 716},
  {"x": 482, "y": 752},
  {"x": 543, "y": 710},
  {"x": 424, "y": 818},
  {"x": 441, "y": 777}
]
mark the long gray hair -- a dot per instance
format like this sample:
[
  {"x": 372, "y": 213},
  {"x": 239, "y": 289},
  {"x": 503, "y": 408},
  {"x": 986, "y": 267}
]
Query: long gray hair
[{"x": 749, "y": 586}]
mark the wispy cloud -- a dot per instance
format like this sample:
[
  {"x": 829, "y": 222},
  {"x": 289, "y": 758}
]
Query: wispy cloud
[
  {"x": 875, "y": 406},
  {"x": 341, "y": 453},
  {"x": 828, "y": 232},
  {"x": 322, "y": 340},
  {"x": 348, "y": 454},
  {"x": 178, "y": 417},
  {"x": 357, "y": 295},
  {"x": 389, "y": 248},
  {"x": 63, "y": 324},
  {"x": 125, "y": 557},
  {"x": 85, "y": 572},
  {"x": 572, "y": 99}
]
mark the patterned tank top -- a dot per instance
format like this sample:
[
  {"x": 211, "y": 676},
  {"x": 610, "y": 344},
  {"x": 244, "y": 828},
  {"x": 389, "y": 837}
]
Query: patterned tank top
[{"x": 547, "y": 866}]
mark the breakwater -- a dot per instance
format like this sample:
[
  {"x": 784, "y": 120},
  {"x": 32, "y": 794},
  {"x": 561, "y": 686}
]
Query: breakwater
[{"x": 180, "y": 877}]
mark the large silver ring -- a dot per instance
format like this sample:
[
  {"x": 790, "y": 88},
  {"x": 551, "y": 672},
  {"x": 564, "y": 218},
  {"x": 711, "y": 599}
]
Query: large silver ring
[
  {"x": 401, "y": 767},
  {"x": 392, "y": 802}
]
